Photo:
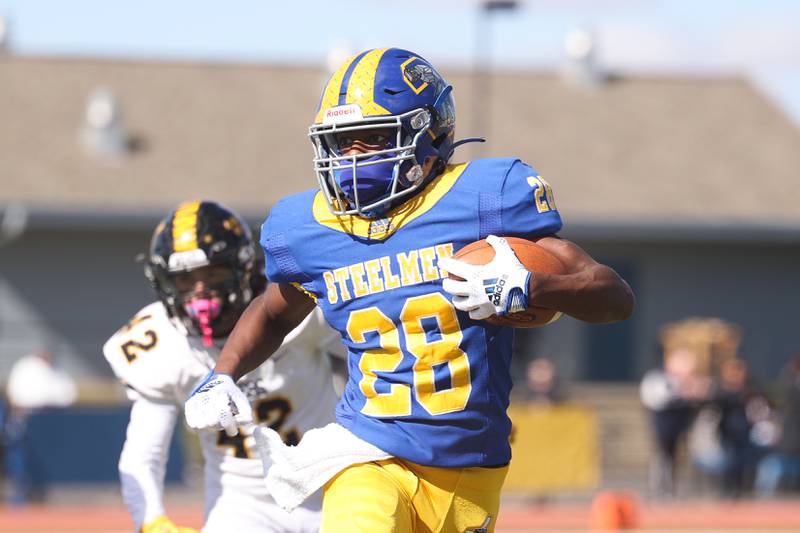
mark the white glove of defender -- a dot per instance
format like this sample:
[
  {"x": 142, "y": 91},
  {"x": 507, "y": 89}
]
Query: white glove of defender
[
  {"x": 217, "y": 403},
  {"x": 497, "y": 288}
]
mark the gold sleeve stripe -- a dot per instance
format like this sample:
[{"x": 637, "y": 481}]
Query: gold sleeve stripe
[{"x": 304, "y": 290}]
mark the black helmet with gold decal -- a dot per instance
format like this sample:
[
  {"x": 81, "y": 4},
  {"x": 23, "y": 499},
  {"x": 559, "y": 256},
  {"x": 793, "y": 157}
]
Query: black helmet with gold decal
[{"x": 202, "y": 265}]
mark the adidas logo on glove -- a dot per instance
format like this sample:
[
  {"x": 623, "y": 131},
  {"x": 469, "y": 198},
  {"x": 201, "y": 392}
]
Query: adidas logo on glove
[{"x": 494, "y": 289}]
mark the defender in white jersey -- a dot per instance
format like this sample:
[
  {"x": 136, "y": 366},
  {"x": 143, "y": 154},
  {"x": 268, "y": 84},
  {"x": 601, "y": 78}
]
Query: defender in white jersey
[{"x": 201, "y": 263}]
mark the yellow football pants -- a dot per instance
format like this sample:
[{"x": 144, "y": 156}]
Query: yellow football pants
[{"x": 399, "y": 496}]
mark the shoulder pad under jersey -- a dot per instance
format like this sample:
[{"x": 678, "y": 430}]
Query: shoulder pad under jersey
[
  {"x": 151, "y": 357},
  {"x": 279, "y": 233},
  {"x": 528, "y": 204}
]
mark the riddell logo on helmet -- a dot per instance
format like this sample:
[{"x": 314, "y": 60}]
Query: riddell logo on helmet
[
  {"x": 188, "y": 259},
  {"x": 331, "y": 113},
  {"x": 342, "y": 113}
]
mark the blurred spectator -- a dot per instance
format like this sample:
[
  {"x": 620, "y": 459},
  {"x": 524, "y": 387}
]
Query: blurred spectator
[
  {"x": 738, "y": 403},
  {"x": 712, "y": 340},
  {"x": 671, "y": 394},
  {"x": 35, "y": 382},
  {"x": 543, "y": 385},
  {"x": 3, "y": 440},
  {"x": 731, "y": 429},
  {"x": 781, "y": 468}
]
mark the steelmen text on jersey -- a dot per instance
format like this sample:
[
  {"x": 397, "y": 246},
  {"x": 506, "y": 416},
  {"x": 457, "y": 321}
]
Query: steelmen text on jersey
[
  {"x": 427, "y": 383},
  {"x": 386, "y": 273}
]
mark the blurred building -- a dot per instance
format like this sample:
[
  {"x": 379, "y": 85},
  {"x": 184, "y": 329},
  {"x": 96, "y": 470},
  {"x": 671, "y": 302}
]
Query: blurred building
[{"x": 687, "y": 186}]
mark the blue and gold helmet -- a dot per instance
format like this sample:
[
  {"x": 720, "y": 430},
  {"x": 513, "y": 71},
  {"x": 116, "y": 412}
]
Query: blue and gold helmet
[{"x": 390, "y": 90}]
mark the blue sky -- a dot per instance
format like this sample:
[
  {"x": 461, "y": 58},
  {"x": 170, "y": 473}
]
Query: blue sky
[{"x": 758, "y": 38}]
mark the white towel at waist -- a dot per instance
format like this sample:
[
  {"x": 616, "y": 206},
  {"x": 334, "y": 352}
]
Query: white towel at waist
[{"x": 293, "y": 473}]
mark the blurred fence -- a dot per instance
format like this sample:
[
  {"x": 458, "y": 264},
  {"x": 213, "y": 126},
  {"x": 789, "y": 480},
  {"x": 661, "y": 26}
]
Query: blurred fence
[
  {"x": 82, "y": 445},
  {"x": 554, "y": 449}
]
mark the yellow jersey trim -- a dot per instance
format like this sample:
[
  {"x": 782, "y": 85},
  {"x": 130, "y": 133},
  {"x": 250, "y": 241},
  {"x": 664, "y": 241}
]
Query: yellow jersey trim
[{"x": 382, "y": 228}]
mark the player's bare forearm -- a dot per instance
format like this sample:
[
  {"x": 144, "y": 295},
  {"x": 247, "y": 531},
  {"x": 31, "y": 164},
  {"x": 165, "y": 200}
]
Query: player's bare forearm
[
  {"x": 262, "y": 328},
  {"x": 590, "y": 291}
]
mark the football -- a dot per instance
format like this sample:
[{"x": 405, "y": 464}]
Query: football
[{"x": 534, "y": 258}]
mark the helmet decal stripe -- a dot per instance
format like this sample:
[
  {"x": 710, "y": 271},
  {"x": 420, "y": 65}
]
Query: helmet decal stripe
[
  {"x": 184, "y": 227},
  {"x": 331, "y": 95},
  {"x": 403, "y": 66},
  {"x": 346, "y": 76},
  {"x": 361, "y": 84}
]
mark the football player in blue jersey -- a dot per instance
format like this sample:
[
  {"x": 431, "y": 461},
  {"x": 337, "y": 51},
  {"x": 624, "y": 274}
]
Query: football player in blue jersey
[{"x": 421, "y": 440}]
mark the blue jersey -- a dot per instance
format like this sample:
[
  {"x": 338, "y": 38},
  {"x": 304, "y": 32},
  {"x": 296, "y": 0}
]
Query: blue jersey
[{"x": 426, "y": 383}]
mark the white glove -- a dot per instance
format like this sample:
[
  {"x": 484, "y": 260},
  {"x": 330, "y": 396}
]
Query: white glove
[
  {"x": 217, "y": 403},
  {"x": 497, "y": 288}
]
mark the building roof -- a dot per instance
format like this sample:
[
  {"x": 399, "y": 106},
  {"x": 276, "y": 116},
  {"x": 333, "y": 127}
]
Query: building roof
[{"x": 650, "y": 152}]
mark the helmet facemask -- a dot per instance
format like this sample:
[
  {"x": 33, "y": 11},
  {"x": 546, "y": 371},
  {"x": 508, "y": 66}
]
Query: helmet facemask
[
  {"x": 207, "y": 300},
  {"x": 369, "y": 183}
]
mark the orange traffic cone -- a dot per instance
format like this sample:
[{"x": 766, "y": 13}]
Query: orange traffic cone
[{"x": 614, "y": 511}]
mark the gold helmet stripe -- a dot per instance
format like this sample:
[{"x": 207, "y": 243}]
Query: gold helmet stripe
[
  {"x": 184, "y": 227},
  {"x": 361, "y": 87},
  {"x": 330, "y": 97}
]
